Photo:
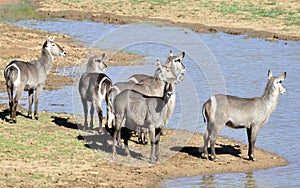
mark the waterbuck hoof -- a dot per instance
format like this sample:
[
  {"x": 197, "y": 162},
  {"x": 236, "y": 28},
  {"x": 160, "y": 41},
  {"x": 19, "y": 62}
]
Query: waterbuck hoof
[
  {"x": 152, "y": 161},
  {"x": 215, "y": 159},
  {"x": 158, "y": 159},
  {"x": 251, "y": 158},
  {"x": 14, "y": 120},
  {"x": 36, "y": 117},
  {"x": 29, "y": 116},
  {"x": 204, "y": 155}
]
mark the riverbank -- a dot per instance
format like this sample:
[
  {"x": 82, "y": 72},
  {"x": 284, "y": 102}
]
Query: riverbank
[
  {"x": 272, "y": 20},
  {"x": 52, "y": 152}
]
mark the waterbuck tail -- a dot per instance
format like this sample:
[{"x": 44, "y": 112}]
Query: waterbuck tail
[
  {"x": 12, "y": 75},
  {"x": 204, "y": 112},
  {"x": 207, "y": 110}
]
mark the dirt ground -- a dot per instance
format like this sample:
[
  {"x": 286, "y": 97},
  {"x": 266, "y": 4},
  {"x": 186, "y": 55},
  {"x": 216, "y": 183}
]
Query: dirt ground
[
  {"x": 53, "y": 152},
  {"x": 25, "y": 44}
]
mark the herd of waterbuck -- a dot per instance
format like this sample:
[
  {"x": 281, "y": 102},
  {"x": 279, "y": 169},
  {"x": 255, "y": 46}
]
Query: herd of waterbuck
[{"x": 143, "y": 102}]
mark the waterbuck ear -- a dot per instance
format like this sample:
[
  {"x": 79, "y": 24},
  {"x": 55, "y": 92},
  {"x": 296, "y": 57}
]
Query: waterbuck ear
[
  {"x": 92, "y": 58},
  {"x": 171, "y": 53},
  {"x": 158, "y": 64},
  {"x": 48, "y": 39},
  {"x": 283, "y": 76},
  {"x": 103, "y": 55},
  {"x": 180, "y": 56},
  {"x": 270, "y": 75}
]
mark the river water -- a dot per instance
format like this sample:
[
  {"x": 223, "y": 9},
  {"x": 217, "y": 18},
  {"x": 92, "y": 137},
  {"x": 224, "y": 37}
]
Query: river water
[{"x": 216, "y": 63}]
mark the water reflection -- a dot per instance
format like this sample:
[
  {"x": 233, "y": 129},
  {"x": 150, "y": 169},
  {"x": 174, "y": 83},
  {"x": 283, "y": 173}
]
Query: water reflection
[
  {"x": 208, "y": 181},
  {"x": 246, "y": 180},
  {"x": 250, "y": 181}
]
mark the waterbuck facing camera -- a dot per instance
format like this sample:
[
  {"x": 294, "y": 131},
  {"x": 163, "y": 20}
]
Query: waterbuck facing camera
[
  {"x": 30, "y": 76},
  {"x": 237, "y": 112}
]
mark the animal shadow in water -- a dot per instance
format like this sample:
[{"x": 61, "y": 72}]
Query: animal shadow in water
[
  {"x": 223, "y": 149},
  {"x": 103, "y": 142}
]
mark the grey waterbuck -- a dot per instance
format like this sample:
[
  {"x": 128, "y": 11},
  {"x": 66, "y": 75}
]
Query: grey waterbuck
[
  {"x": 93, "y": 87},
  {"x": 176, "y": 66},
  {"x": 133, "y": 109},
  {"x": 149, "y": 85},
  {"x": 30, "y": 76},
  {"x": 236, "y": 112}
]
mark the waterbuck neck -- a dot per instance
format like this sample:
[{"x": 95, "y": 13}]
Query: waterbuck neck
[
  {"x": 46, "y": 59},
  {"x": 270, "y": 96}
]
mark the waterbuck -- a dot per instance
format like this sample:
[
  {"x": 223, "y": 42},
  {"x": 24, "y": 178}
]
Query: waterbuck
[
  {"x": 236, "y": 112},
  {"x": 93, "y": 87},
  {"x": 150, "y": 86},
  {"x": 30, "y": 76},
  {"x": 134, "y": 109}
]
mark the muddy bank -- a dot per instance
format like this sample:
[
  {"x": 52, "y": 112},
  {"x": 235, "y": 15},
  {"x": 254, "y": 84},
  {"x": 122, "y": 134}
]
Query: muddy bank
[
  {"x": 201, "y": 28},
  {"x": 58, "y": 154},
  {"x": 279, "y": 20}
]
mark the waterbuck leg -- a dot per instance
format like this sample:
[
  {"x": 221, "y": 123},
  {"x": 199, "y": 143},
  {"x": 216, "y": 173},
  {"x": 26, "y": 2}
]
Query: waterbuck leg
[
  {"x": 251, "y": 133},
  {"x": 157, "y": 139},
  {"x": 36, "y": 101},
  {"x": 115, "y": 140},
  {"x": 19, "y": 94},
  {"x": 146, "y": 135},
  {"x": 10, "y": 99},
  {"x": 139, "y": 133},
  {"x": 213, "y": 134},
  {"x": 206, "y": 140},
  {"x": 152, "y": 141},
  {"x": 127, "y": 134},
  {"x": 30, "y": 98},
  {"x": 119, "y": 138},
  {"x": 100, "y": 116},
  {"x": 85, "y": 110},
  {"x": 92, "y": 116}
]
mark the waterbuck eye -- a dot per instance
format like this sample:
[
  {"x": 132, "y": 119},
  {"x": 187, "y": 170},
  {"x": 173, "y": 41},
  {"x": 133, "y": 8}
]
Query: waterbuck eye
[{"x": 280, "y": 81}]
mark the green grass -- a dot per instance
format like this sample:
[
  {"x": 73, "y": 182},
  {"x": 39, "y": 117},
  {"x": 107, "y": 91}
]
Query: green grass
[
  {"x": 250, "y": 11},
  {"x": 22, "y": 10},
  {"x": 40, "y": 139}
]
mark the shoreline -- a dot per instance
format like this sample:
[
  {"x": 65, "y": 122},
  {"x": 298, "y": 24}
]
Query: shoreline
[
  {"x": 85, "y": 166},
  {"x": 197, "y": 27}
]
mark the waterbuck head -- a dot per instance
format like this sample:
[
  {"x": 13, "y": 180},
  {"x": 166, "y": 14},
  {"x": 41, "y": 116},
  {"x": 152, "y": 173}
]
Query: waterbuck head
[
  {"x": 96, "y": 64},
  {"x": 175, "y": 64},
  {"x": 276, "y": 82},
  {"x": 53, "y": 48},
  {"x": 164, "y": 73}
]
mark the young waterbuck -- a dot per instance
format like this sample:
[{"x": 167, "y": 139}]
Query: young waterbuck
[
  {"x": 236, "y": 112},
  {"x": 133, "y": 109},
  {"x": 30, "y": 76},
  {"x": 93, "y": 87}
]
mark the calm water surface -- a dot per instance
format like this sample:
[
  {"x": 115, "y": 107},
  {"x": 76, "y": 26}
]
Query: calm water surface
[{"x": 244, "y": 63}]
